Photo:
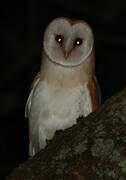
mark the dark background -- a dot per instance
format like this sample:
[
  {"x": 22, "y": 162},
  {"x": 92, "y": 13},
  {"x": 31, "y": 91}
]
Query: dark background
[{"x": 22, "y": 27}]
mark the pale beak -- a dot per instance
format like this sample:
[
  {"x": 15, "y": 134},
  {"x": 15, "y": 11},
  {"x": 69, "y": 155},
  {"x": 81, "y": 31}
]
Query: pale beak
[{"x": 66, "y": 54}]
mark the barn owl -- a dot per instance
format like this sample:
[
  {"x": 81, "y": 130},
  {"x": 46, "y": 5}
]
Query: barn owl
[{"x": 66, "y": 87}]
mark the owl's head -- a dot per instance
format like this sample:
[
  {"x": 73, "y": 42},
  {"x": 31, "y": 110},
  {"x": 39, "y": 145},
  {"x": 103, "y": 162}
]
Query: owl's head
[{"x": 68, "y": 42}]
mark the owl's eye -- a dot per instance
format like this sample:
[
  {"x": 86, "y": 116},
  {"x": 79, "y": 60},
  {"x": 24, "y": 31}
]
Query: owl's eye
[
  {"x": 78, "y": 41},
  {"x": 59, "y": 39}
]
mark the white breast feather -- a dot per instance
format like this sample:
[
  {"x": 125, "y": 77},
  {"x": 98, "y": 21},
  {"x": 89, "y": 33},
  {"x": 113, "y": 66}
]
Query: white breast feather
[{"x": 55, "y": 108}]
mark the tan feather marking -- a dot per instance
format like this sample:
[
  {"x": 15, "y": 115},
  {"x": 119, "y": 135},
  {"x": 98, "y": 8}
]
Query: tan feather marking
[
  {"x": 93, "y": 90},
  {"x": 67, "y": 77}
]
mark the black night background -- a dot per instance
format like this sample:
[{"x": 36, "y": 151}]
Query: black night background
[{"x": 22, "y": 27}]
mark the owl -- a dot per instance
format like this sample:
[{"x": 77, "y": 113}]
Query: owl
[{"x": 66, "y": 87}]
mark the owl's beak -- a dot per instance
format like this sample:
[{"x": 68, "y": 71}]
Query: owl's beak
[{"x": 66, "y": 54}]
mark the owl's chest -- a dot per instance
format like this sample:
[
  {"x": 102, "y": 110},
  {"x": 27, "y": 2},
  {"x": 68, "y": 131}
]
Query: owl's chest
[{"x": 58, "y": 106}]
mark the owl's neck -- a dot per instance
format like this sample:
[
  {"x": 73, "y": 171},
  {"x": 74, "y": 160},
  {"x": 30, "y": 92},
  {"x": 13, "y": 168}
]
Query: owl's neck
[{"x": 63, "y": 76}]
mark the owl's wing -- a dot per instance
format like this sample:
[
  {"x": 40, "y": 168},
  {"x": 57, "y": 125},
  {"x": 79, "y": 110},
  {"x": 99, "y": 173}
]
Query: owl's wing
[
  {"x": 29, "y": 100},
  {"x": 95, "y": 93}
]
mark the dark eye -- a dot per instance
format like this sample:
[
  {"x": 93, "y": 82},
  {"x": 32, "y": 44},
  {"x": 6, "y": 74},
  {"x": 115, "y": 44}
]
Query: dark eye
[
  {"x": 59, "y": 39},
  {"x": 78, "y": 41}
]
